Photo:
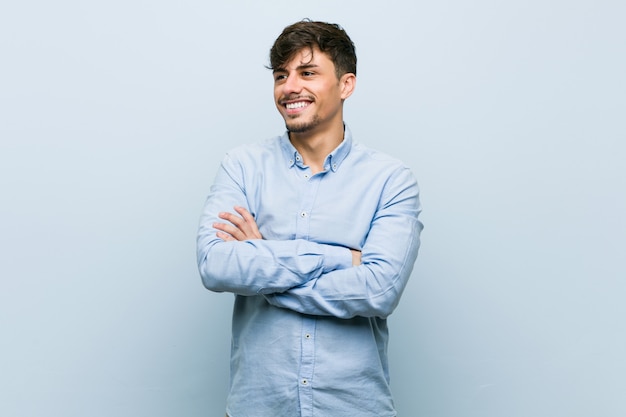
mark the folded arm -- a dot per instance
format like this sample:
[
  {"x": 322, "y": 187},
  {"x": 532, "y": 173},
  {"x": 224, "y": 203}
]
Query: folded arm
[
  {"x": 372, "y": 289},
  {"x": 233, "y": 257},
  {"x": 373, "y": 286}
]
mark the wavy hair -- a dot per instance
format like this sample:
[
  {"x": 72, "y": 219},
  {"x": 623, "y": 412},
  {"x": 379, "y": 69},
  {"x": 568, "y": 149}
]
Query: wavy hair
[{"x": 330, "y": 38}]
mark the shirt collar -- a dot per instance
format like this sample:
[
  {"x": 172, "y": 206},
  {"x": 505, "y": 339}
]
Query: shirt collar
[{"x": 332, "y": 161}]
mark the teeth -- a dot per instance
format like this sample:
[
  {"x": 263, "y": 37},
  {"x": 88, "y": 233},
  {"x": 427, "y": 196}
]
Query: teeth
[{"x": 296, "y": 105}]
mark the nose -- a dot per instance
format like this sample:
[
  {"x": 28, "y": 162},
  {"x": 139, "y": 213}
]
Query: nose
[{"x": 292, "y": 85}]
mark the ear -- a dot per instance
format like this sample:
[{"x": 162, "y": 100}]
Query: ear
[{"x": 347, "y": 83}]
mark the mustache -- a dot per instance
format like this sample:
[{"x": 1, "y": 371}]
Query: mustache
[{"x": 295, "y": 97}]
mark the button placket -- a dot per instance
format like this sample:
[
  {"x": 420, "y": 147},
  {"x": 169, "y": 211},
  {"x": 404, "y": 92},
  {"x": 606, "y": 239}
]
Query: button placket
[
  {"x": 307, "y": 365},
  {"x": 306, "y": 374}
]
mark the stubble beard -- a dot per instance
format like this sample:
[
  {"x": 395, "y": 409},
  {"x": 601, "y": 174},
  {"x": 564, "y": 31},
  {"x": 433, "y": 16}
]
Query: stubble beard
[{"x": 294, "y": 126}]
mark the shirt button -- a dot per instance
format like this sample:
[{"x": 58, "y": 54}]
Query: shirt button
[
  {"x": 308, "y": 336},
  {"x": 303, "y": 214},
  {"x": 304, "y": 382},
  {"x": 291, "y": 162},
  {"x": 306, "y": 175},
  {"x": 298, "y": 158},
  {"x": 334, "y": 166}
]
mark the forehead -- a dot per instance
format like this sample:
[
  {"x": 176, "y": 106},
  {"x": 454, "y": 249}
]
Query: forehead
[{"x": 307, "y": 57}]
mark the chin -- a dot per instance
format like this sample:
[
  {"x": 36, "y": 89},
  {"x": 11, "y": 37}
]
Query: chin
[
  {"x": 298, "y": 128},
  {"x": 301, "y": 127}
]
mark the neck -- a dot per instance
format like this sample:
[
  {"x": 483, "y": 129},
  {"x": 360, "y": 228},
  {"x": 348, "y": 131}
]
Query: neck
[{"x": 315, "y": 146}]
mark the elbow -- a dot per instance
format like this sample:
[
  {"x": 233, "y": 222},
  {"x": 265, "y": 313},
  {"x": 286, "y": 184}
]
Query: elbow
[
  {"x": 213, "y": 275},
  {"x": 384, "y": 307},
  {"x": 384, "y": 301},
  {"x": 210, "y": 280},
  {"x": 372, "y": 311},
  {"x": 379, "y": 306},
  {"x": 211, "y": 284}
]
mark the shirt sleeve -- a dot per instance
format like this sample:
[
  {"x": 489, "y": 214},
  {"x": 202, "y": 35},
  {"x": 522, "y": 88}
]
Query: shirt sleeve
[
  {"x": 257, "y": 266},
  {"x": 372, "y": 289}
]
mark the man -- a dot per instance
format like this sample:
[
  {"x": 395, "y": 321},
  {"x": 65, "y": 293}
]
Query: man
[{"x": 316, "y": 235}]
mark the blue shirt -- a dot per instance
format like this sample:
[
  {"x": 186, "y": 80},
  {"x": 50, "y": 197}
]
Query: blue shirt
[{"x": 309, "y": 330}]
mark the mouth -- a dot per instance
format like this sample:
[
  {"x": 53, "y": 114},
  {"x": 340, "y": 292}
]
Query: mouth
[{"x": 296, "y": 106}]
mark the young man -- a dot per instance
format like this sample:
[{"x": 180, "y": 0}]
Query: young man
[{"x": 316, "y": 235}]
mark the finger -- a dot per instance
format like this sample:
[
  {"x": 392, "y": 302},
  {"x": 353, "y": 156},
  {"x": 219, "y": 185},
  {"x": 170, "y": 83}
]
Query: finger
[
  {"x": 241, "y": 228},
  {"x": 244, "y": 230},
  {"x": 225, "y": 236},
  {"x": 245, "y": 224},
  {"x": 245, "y": 214},
  {"x": 230, "y": 217},
  {"x": 251, "y": 226},
  {"x": 230, "y": 230},
  {"x": 356, "y": 257}
]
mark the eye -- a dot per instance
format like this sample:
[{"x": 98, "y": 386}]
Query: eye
[
  {"x": 308, "y": 73},
  {"x": 279, "y": 77}
]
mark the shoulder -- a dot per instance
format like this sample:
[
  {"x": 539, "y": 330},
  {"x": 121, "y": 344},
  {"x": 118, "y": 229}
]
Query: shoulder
[
  {"x": 255, "y": 149},
  {"x": 255, "y": 152},
  {"x": 379, "y": 169},
  {"x": 363, "y": 154}
]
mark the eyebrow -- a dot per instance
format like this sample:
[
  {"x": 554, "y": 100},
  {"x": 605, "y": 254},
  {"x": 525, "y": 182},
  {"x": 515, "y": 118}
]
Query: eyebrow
[{"x": 298, "y": 68}]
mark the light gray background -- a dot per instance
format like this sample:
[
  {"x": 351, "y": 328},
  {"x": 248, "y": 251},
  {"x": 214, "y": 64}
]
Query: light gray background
[{"x": 114, "y": 116}]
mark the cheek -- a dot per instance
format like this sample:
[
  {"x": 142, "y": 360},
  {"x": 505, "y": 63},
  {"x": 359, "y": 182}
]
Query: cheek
[
  {"x": 276, "y": 98},
  {"x": 278, "y": 92}
]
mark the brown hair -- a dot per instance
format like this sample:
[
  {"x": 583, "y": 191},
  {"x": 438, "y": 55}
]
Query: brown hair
[{"x": 330, "y": 38}]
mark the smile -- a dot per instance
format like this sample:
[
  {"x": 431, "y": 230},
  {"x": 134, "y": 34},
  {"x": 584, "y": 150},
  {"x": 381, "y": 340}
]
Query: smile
[{"x": 296, "y": 105}]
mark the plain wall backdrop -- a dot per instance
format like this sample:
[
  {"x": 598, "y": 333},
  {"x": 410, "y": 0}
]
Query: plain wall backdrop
[{"x": 115, "y": 115}]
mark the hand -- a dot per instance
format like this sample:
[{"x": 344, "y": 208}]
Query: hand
[
  {"x": 241, "y": 228},
  {"x": 356, "y": 257}
]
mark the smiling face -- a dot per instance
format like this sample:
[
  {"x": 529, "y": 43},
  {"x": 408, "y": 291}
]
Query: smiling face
[{"x": 308, "y": 93}]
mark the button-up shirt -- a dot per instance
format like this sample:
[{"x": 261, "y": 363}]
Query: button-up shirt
[{"x": 309, "y": 329}]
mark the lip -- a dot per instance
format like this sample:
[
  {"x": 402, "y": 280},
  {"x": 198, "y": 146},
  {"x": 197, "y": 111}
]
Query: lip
[
  {"x": 295, "y": 106},
  {"x": 303, "y": 100}
]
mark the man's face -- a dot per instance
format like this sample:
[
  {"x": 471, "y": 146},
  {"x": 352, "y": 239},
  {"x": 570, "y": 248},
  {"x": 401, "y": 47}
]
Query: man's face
[{"x": 307, "y": 92}]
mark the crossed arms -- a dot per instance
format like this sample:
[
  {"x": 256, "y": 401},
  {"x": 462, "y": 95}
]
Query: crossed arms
[
  {"x": 243, "y": 227},
  {"x": 305, "y": 276}
]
